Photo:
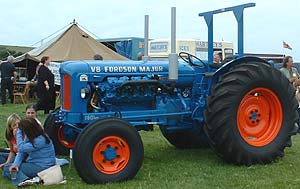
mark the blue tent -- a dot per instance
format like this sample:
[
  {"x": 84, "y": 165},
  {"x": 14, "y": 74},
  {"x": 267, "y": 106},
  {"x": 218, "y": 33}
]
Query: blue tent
[{"x": 125, "y": 46}]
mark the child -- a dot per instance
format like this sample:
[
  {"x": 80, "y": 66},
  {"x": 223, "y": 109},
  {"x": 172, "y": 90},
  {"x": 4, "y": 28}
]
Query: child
[{"x": 10, "y": 135}]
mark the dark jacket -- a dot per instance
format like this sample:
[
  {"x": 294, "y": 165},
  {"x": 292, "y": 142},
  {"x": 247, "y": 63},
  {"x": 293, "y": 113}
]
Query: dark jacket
[{"x": 7, "y": 70}]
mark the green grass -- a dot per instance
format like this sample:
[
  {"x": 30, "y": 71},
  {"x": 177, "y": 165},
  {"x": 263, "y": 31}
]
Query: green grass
[{"x": 166, "y": 167}]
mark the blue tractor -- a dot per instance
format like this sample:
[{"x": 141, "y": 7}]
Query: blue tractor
[{"x": 244, "y": 109}]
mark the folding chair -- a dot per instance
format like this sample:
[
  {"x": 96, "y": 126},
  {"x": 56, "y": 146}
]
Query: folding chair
[{"x": 23, "y": 96}]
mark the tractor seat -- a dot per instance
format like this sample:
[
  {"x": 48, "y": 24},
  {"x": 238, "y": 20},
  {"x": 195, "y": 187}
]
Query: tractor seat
[
  {"x": 216, "y": 65},
  {"x": 208, "y": 74}
]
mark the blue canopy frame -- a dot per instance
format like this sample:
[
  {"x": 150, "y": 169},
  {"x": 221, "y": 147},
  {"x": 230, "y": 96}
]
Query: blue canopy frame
[{"x": 238, "y": 12}]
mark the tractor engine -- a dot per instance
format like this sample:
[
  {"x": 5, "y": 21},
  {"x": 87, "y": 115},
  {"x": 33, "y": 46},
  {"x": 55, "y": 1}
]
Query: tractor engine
[
  {"x": 97, "y": 87},
  {"x": 119, "y": 91}
]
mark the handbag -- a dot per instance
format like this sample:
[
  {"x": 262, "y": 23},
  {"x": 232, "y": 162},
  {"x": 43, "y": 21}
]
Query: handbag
[{"x": 52, "y": 175}]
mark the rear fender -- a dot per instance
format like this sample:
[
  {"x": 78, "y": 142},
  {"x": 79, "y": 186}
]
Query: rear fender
[{"x": 229, "y": 65}]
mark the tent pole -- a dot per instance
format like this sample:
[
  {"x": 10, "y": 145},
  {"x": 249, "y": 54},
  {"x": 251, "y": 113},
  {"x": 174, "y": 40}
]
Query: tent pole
[{"x": 27, "y": 69}]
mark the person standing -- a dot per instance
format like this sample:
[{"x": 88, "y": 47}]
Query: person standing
[
  {"x": 293, "y": 76},
  {"x": 8, "y": 76},
  {"x": 45, "y": 87},
  {"x": 290, "y": 72}
]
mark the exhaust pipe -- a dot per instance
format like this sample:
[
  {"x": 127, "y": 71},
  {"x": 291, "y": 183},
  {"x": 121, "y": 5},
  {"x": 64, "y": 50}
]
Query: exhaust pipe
[
  {"x": 173, "y": 57},
  {"x": 146, "y": 38}
]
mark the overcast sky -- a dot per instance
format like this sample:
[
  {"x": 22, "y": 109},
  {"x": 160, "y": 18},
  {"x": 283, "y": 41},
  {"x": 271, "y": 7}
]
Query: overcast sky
[{"x": 24, "y": 22}]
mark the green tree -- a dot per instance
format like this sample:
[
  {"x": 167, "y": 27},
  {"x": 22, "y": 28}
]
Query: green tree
[{"x": 4, "y": 53}]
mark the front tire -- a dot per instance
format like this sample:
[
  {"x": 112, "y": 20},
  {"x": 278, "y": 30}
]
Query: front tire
[
  {"x": 108, "y": 150},
  {"x": 251, "y": 114}
]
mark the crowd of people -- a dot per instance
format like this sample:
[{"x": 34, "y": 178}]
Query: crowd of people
[
  {"x": 45, "y": 83},
  {"x": 30, "y": 149}
]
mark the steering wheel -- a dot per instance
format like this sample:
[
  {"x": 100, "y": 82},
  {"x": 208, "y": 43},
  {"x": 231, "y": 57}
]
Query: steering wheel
[{"x": 188, "y": 58}]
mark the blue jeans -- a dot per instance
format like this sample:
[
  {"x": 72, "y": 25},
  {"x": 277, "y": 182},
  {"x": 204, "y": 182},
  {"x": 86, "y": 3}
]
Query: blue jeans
[
  {"x": 26, "y": 171},
  {"x": 4, "y": 156}
]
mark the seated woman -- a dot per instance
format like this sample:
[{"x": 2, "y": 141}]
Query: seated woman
[
  {"x": 10, "y": 135},
  {"x": 35, "y": 154},
  {"x": 31, "y": 112}
]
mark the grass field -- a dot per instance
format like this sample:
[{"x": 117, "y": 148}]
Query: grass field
[{"x": 166, "y": 167}]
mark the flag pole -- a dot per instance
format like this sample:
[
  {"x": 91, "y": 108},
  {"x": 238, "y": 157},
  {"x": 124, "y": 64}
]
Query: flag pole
[{"x": 283, "y": 51}]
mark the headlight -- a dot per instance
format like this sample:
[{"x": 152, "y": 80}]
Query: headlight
[{"x": 84, "y": 93}]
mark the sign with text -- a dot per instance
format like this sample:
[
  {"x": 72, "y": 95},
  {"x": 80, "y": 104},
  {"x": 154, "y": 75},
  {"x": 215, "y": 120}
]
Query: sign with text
[{"x": 54, "y": 68}]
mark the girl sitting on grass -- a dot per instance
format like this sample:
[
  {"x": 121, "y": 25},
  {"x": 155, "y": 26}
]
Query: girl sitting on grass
[{"x": 10, "y": 135}]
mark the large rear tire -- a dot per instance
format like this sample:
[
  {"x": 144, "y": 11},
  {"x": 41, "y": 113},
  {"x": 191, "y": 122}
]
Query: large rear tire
[
  {"x": 108, "y": 150},
  {"x": 62, "y": 146},
  {"x": 251, "y": 114}
]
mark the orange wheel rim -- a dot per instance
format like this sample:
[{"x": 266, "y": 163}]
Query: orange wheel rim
[
  {"x": 259, "y": 117},
  {"x": 62, "y": 140},
  {"x": 111, "y": 155}
]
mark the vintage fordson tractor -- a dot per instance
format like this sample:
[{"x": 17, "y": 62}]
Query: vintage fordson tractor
[{"x": 244, "y": 109}]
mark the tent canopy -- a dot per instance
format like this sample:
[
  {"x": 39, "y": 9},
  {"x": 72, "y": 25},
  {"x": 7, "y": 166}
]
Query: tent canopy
[{"x": 72, "y": 44}]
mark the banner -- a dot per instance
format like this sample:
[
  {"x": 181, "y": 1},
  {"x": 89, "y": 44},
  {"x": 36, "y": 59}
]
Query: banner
[{"x": 54, "y": 68}]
